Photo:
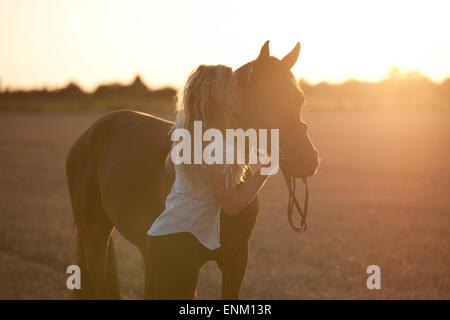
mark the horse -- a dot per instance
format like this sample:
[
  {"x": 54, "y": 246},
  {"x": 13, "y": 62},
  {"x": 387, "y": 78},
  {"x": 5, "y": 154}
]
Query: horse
[{"x": 117, "y": 179}]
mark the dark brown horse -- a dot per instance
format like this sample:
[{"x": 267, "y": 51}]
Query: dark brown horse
[{"x": 117, "y": 180}]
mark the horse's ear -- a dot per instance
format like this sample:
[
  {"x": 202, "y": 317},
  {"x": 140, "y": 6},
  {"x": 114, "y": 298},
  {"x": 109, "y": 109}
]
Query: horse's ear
[
  {"x": 265, "y": 52},
  {"x": 291, "y": 58}
]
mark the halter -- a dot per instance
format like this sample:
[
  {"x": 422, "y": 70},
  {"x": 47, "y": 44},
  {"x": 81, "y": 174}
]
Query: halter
[{"x": 291, "y": 185}]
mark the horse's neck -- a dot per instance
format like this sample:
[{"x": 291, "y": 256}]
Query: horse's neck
[{"x": 247, "y": 118}]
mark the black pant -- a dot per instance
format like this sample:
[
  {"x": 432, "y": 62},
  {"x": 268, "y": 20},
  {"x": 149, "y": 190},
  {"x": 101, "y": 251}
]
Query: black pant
[{"x": 175, "y": 261}]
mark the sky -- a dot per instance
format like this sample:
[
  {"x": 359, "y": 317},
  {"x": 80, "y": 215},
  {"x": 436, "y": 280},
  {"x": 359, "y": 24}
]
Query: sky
[{"x": 48, "y": 43}]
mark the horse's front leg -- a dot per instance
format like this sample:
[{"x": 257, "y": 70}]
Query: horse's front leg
[{"x": 233, "y": 266}]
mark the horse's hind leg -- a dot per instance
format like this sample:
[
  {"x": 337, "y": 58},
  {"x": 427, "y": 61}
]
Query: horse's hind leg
[{"x": 96, "y": 257}]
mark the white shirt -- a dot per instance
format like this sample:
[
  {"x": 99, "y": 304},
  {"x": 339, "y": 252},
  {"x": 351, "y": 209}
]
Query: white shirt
[{"x": 191, "y": 206}]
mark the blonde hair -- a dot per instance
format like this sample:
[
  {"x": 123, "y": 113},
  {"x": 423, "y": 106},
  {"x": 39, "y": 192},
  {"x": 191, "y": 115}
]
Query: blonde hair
[{"x": 207, "y": 96}]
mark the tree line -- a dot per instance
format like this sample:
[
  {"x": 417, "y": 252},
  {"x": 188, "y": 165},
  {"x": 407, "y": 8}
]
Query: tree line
[{"x": 398, "y": 91}]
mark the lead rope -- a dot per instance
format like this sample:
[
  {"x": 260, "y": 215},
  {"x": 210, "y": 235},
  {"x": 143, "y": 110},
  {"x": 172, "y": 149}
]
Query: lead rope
[{"x": 291, "y": 185}]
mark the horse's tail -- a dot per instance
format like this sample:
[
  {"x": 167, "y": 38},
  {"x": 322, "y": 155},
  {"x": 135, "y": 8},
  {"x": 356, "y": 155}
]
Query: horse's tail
[{"x": 95, "y": 249}]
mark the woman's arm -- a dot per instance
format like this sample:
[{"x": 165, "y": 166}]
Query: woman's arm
[{"x": 234, "y": 199}]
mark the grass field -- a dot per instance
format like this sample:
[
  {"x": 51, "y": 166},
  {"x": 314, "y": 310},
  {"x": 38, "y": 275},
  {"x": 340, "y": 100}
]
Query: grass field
[{"x": 381, "y": 196}]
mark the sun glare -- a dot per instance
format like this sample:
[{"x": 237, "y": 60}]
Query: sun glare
[{"x": 52, "y": 42}]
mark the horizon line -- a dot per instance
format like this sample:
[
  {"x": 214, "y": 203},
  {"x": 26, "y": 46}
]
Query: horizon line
[{"x": 403, "y": 75}]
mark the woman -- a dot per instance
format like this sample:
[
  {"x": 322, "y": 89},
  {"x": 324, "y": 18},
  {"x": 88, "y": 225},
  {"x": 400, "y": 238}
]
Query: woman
[{"x": 191, "y": 220}]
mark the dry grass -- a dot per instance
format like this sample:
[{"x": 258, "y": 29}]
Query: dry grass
[{"x": 381, "y": 197}]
